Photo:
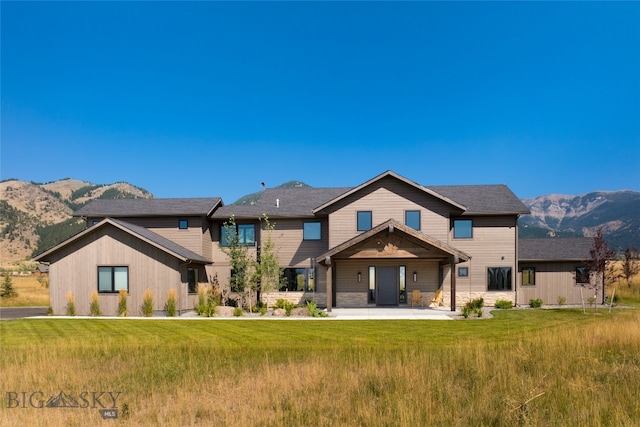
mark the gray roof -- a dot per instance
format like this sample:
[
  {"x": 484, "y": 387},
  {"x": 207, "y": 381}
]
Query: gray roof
[
  {"x": 555, "y": 249},
  {"x": 300, "y": 202},
  {"x": 149, "y": 207},
  {"x": 162, "y": 242},
  {"x": 483, "y": 199},
  {"x": 293, "y": 202},
  {"x": 142, "y": 233}
]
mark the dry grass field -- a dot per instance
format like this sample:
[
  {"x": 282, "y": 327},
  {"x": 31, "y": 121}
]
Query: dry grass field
[{"x": 31, "y": 292}]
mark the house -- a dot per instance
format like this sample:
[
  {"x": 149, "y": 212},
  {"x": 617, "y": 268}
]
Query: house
[
  {"x": 367, "y": 246},
  {"x": 554, "y": 270},
  {"x": 41, "y": 270}
]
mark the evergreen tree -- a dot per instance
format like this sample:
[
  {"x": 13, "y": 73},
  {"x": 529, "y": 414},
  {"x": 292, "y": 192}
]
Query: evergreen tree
[{"x": 7, "y": 290}]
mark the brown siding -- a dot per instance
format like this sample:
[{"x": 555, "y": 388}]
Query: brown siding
[
  {"x": 554, "y": 279},
  {"x": 74, "y": 269},
  {"x": 493, "y": 245},
  {"x": 167, "y": 227},
  {"x": 292, "y": 250},
  {"x": 388, "y": 199}
]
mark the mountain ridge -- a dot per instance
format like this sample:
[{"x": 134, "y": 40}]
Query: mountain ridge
[{"x": 34, "y": 216}]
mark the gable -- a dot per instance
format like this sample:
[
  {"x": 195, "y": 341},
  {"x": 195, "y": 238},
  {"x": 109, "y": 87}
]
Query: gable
[{"x": 394, "y": 183}]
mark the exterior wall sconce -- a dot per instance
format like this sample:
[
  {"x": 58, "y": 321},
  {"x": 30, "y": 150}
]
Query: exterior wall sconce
[
  {"x": 359, "y": 277},
  {"x": 415, "y": 276}
]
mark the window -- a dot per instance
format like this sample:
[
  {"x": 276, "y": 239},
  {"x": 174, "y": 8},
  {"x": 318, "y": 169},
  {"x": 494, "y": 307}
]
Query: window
[
  {"x": 582, "y": 276},
  {"x": 298, "y": 279},
  {"x": 192, "y": 280},
  {"x": 246, "y": 235},
  {"x": 463, "y": 271},
  {"x": 372, "y": 284},
  {"x": 113, "y": 279},
  {"x": 499, "y": 278},
  {"x": 412, "y": 219},
  {"x": 528, "y": 276},
  {"x": 364, "y": 220},
  {"x": 462, "y": 229},
  {"x": 311, "y": 231},
  {"x": 403, "y": 283},
  {"x": 183, "y": 224}
]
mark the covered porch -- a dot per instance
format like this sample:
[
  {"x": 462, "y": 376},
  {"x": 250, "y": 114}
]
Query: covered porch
[{"x": 382, "y": 267}]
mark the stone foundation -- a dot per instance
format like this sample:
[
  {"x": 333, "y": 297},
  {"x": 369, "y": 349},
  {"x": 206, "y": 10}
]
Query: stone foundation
[{"x": 490, "y": 298}]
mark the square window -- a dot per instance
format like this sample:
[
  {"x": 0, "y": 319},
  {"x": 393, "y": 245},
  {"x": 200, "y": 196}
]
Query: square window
[
  {"x": 528, "y": 276},
  {"x": 113, "y": 279},
  {"x": 499, "y": 278},
  {"x": 312, "y": 231},
  {"x": 462, "y": 229},
  {"x": 463, "y": 271},
  {"x": 364, "y": 220},
  {"x": 412, "y": 219},
  {"x": 183, "y": 224},
  {"x": 582, "y": 276}
]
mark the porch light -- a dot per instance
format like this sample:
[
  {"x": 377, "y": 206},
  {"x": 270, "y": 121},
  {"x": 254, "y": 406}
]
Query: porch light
[
  {"x": 415, "y": 276},
  {"x": 359, "y": 277}
]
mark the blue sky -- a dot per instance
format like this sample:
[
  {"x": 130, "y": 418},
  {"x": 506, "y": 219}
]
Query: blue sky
[{"x": 198, "y": 99}]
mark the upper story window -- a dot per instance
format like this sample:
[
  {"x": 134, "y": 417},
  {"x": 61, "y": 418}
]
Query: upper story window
[
  {"x": 246, "y": 235},
  {"x": 462, "y": 228},
  {"x": 528, "y": 276},
  {"x": 113, "y": 279},
  {"x": 183, "y": 224},
  {"x": 412, "y": 219},
  {"x": 312, "y": 231},
  {"x": 364, "y": 220}
]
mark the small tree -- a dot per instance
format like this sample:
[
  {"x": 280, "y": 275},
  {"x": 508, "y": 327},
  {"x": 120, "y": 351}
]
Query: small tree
[
  {"x": 268, "y": 266},
  {"x": 239, "y": 259},
  {"x": 600, "y": 253},
  {"x": 630, "y": 265},
  {"x": 7, "y": 290}
]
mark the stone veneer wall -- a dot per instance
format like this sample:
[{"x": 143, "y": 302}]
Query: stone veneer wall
[
  {"x": 351, "y": 299},
  {"x": 490, "y": 298},
  {"x": 295, "y": 297}
]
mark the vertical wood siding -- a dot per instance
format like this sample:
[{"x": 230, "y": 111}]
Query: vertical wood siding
[
  {"x": 74, "y": 269},
  {"x": 554, "y": 279}
]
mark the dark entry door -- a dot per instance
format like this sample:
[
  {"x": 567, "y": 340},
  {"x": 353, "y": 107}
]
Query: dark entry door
[{"x": 387, "y": 286}]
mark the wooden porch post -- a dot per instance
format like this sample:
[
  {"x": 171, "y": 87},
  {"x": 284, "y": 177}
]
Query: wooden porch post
[
  {"x": 454, "y": 260},
  {"x": 329, "y": 285}
]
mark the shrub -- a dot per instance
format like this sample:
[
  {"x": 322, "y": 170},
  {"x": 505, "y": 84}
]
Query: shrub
[
  {"x": 473, "y": 307},
  {"x": 122, "y": 303},
  {"x": 71, "y": 304},
  {"x": 147, "y": 303},
  {"x": 238, "y": 312},
  {"x": 170, "y": 306},
  {"x": 207, "y": 301},
  {"x": 504, "y": 304},
  {"x": 314, "y": 311},
  {"x": 561, "y": 299},
  {"x": 94, "y": 307},
  {"x": 50, "y": 311},
  {"x": 535, "y": 303}
]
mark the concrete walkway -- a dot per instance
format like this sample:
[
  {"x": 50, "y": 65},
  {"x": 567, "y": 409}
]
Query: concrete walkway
[{"x": 392, "y": 313}]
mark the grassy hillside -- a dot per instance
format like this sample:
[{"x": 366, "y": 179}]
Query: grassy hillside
[{"x": 35, "y": 217}]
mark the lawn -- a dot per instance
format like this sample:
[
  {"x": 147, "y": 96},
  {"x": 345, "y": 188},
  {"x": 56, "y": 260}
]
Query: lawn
[{"x": 522, "y": 367}]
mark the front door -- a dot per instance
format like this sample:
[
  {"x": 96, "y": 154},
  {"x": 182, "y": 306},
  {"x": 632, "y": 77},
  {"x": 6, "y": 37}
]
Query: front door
[{"x": 387, "y": 286}]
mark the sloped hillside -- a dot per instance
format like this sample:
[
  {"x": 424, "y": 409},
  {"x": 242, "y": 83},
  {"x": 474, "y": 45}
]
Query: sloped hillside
[
  {"x": 36, "y": 216},
  {"x": 618, "y": 212}
]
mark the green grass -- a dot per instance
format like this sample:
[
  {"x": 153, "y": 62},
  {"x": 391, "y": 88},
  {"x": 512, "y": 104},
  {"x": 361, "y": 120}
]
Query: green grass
[{"x": 522, "y": 367}]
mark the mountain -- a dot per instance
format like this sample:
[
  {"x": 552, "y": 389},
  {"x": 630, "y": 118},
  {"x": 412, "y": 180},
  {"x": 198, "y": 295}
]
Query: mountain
[
  {"x": 555, "y": 215},
  {"x": 250, "y": 199},
  {"x": 34, "y": 216}
]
